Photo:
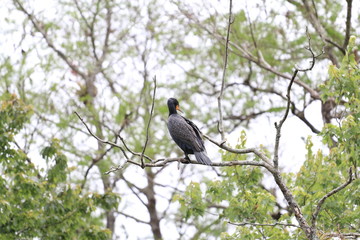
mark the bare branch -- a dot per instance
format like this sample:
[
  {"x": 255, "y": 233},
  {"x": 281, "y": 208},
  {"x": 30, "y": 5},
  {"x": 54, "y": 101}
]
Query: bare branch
[
  {"x": 341, "y": 235},
  {"x": 310, "y": 232},
  {"x": 244, "y": 53},
  {"x": 329, "y": 194},
  {"x": 279, "y": 125},
  {"x": 294, "y": 206},
  {"x": 264, "y": 224},
  {"x": 99, "y": 139},
  {"x": 39, "y": 28},
  {"x": 262, "y": 156},
  {"x": 93, "y": 163},
  {"x": 92, "y": 28},
  {"x": 298, "y": 113},
  {"x": 230, "y": 21},
  {"x": 105, "y": 48},
  {"x": 132, "y": 152},
  {"x": 348, "y": 24},
  {"x": 113, "y": 169},
  {"x": 341, "y": 49},
  {"x": 148, "y": 125},
  {"x": 165, "y": 161},
  {"x": 132, "y": 217},
  {"x": 319, "y": 28},
  {"x": 301, "y": 116}
]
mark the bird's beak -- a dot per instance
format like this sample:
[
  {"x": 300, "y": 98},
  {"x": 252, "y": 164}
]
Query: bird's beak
[{"x": 178, "y": 108}]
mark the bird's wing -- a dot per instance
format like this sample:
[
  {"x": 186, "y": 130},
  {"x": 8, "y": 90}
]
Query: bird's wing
[
  {"x": 185, "y": 134},
  {"x": 197, "y": 132}
]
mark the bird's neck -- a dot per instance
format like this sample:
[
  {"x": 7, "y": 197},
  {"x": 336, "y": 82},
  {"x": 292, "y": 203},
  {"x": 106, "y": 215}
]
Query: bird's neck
[
  {"x": 172, "y": 110},
  {"x": 172, "y": 113}
]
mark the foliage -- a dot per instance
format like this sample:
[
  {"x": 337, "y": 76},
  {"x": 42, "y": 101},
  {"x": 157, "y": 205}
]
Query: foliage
[
  {"x": 37, "y": 202},
  {"x": 343, "y": 89}
]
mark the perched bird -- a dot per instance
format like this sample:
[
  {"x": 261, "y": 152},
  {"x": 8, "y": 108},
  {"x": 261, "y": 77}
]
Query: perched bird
[{"x": 186, "y": 134}]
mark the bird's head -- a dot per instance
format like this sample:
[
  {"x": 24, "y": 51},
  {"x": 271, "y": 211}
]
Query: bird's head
[{"x": 173, "y": 105}]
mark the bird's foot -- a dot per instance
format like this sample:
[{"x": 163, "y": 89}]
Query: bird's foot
[{"x": 187, "y": 160}]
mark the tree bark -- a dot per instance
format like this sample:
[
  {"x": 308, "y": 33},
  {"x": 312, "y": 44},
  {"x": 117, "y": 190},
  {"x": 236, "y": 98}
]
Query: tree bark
[
  {"x": 149, "y": 192},
  {"x": 310, "y": 233}
]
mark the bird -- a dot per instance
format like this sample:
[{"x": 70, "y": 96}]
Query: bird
[{"x": 186, "y": 134}]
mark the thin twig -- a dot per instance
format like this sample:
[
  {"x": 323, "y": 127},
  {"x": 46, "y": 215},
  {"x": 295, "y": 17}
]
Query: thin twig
[
  {"x": 298, "y": 113},
  {"x": 93, "y": 163},
  {"x": 132, "y": 217},
  {"x": 310, "y": 232},
  {"x": 341, "y": 235},
  {"x": 279, "y": 125},
  {"x": 261, "y": 155},
  {"x": 39, "y": 28},
  {"x": 319, "y": 28},
  {"x": 113, "y": 169},
  {"x": 131, "y": 151},
  {"x": 242, "y": 52},
  {"x": 220, "y": 125},
  {"x": 92, "y": 28},
  {"x": 105, "y": 48},
  {"x": 148, "y": 125},
  {"x": 265, "y": 224},
  {"x": 99, "y": 139},
  {"x": 92, "y": 134},
  {"x": 329, "y": 194}
]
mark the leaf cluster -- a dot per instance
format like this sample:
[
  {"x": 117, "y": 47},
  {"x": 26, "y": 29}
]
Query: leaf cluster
[{"x": 41, "y": 203}]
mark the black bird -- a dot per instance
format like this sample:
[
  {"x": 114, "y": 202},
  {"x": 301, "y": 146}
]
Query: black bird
[{"x": 186, "y": 134}]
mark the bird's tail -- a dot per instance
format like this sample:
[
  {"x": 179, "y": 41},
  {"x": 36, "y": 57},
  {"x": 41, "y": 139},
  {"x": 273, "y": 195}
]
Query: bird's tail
[{"x": 201, "y": 157}]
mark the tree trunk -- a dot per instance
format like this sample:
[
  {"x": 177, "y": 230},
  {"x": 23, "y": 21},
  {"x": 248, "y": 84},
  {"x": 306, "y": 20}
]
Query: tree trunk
[{"x": 149, "y": 192}]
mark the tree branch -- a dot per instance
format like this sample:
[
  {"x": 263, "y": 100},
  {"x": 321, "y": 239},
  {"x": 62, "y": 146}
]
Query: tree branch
[
  {"x": 148, "y": 125},
  {"x": 264, "y": 224},
  {"x": 348, "y": 24},
  {"x": 164, "y": 161},
  {"x": 105, "y": 48},
  {"x": 132, "y": 217},
  {"x": 342, "y": 235},
  {"x": 220, "y": 125},
  {"x": 40, "y": 29},
  {"x": 310, "y": 233},
  {"x": 242, "y": 52},
  {"x": 93, "y": 163},
  {"x": 132, "y": 152},
  {"x": 99, "y": 139},
  {"x": 279, "y": 125},
  {"x": 319, "y": 28},
  {"x": 261, "y": 155},
  {"x": 298, "y": 113},
  {"x": 329, "y": 194}
]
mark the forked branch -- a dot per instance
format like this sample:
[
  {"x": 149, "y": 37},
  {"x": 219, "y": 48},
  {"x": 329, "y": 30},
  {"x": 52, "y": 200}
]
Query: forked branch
[{"x": 279, "y": 125}]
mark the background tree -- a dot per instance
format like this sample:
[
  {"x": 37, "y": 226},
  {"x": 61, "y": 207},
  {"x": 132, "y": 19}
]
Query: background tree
[
  {"x": 99, "y": 58},
  {"x": 41, "y": 202}
]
